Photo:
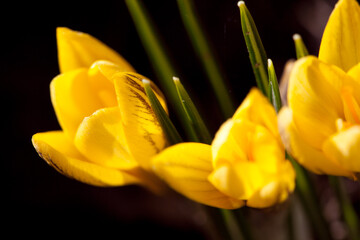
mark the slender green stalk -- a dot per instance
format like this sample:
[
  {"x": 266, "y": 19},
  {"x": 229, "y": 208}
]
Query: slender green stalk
[
  {"x": 203, "y": 50},
  {"x": 306, "y": 192},
  {"x": 243, "y": 223},
  {"x": 157, "y": 55},
  {"x": 349, "y": 214},
  {"x": 235, "y": 229},
  {"x": 304, "y": 187},
  {"x": 232, "y": 225},
  {"x": 274, "y": 92},
  {"x": 195, "y": 122},
  {"x": 255, "y": 48},
  {"x": 300, "y": 48},
  {"x": 168, "y": 127},
  {"x": 160, "y": 62}
]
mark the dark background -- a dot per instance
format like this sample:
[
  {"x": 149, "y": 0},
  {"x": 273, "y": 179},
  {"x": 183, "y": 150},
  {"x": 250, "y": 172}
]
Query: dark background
[{"x": 39, "y": 199}]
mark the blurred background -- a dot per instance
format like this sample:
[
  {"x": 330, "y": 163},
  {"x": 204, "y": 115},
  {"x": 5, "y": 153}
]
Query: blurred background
[{"x": 38, "y": 197}]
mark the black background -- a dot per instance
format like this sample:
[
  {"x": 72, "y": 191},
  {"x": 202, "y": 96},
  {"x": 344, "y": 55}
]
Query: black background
[{"x": 41, "y": 202}]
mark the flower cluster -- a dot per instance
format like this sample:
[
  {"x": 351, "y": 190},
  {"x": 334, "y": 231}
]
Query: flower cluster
[
  {"x": 104, "y": 114},
  {"x": 112, "y": 133}
]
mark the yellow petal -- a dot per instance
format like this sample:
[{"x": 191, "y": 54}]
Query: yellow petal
[
  {"x": 228, "y": 144},
  {"x": 239, "y": 180},
  {"x": 269, "y": 195},
  {"x": 311, "y": 158},
  {"x": 284, "y": 121},
  {"x": 73, "y": 99},
  {"x": 355, "y": 73},
  {"x": 242, "y": 140},
  {"x": 248, "y": 181},
  {"x": 186, "y": 167},
  {"x": 276, "y": 191},
  {"x": 257, "y": 109},
  {"x": 80, "y": 50},
  {"x": 344, "y": 148},
  {"x": 58, "y": 151},
  {"x": 100, "y": 78},
  {"x": 314, "y": 98},
  {"x": 100, "y": 138},
  {"x": 143, "y": 132},
  {"x": 351, "y": 107},
  {"x": 340, "y": 44}
]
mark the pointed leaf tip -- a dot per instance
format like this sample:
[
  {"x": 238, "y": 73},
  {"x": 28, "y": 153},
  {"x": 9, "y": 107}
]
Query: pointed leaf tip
[
  {"x": 196, "y": 126},
  {"x": 256, "y": 50},
  {"x": 273, "y": 87},
  {"x": 300, "y": 48},
  {"x": 240, "y": 3}
]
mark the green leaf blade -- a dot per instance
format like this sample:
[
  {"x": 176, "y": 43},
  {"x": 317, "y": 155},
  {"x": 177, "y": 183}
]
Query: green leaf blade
[
  {"x": 257, "y": 54},
  {"x": 273, "y": 92},
  {"x": 168, "y": 127},
  {"x": 300, "y": 48},
  {"x": 206, "y": 56},
  {"x": 201, "y": 133}
]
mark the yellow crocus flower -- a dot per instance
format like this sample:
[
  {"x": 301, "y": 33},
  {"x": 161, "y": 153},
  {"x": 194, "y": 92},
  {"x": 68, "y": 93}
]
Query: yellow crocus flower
[
  {"x": 109, "y": 131},
  {"x": 245, "y": 164},
  {"x": 321, "y": 124}
]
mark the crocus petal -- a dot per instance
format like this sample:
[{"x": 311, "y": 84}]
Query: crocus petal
[
  {"x": 276, "y": 191},
  {"x": 73, "y": 99},
  {"x": 101, "y": 139},
  {"x": 355, "y": 73},
  {"x": 344, "y": 147},
  {"x": 227, "y": 145},
  {"x": 242, "y": 140},
  {"x": 239, "y": 180},
  {"x": 186, "y": 167},
  {"x": 143, "y": 132},
  {"x": 100, "y": 78},
  {"x": 308, "y": 156},
  {"x": 59, "y": 152},
  {"x": 257, "y": 109},
  {"x": 80, "y": 50},
  {"x": 340, "y": 44},
  {"x": 314, "y": 97}
]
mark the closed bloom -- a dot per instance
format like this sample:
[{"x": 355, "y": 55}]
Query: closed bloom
[
  {"x": 109, "y": 131},
  {"x": 321, "y": 124},
  {"x": 245, "y": 164}
]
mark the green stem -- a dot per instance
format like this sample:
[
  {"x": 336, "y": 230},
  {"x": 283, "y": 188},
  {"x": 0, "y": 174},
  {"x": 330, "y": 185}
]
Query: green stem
[
  {"x": 232, "y": 225},
  {"x": 349, "y": 214},
  {"x": 243, "y": 223},
  {"x": 304, "y": 186},
  {"x": 203, "y": 50},
  {"x": 157, "y": 55},
  {"x": 306, "y": 192}
]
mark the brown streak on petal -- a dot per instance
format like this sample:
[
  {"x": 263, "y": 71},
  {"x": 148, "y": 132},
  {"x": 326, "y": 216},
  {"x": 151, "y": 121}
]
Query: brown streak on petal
[
  {"x": 146, "y": 105},
  {"x": 148, "y": 137},
  {"x": 134, "y": 84}
]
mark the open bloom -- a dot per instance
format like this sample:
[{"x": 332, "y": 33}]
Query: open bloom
[
  {"x": 245, "y": 164},
  {"x": 321, "y": 125},
  {"x": 109, "y": 131}
]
